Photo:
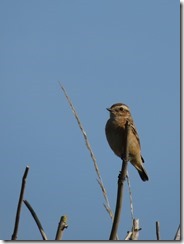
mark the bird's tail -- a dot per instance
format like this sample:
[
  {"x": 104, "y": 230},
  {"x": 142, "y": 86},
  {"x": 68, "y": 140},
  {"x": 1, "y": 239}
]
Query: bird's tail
[{"x": 143, "y": 174}]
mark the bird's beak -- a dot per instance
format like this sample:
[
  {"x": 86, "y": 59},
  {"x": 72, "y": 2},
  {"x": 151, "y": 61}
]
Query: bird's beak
[{"x": 109, "y": 109}]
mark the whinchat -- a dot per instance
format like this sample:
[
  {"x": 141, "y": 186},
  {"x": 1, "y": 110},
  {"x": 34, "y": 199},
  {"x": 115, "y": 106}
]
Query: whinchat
[{"x": 115, "y": 133}]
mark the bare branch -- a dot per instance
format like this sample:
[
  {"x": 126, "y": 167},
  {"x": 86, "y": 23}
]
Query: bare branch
[
  {"x": 107, "y": 206},
  {"x": 130, "y": 196},
  {"x": 135, "y": 229},
  {"x": 108, "y": 210},
  {"x": 36, "y": 220},
  {"x": 121, "y": 179},
  {"x": 128, "y": 236},
  {"x": 61, "y": 226},
  {"x": 134, "y": 234},
  {"x": 14, "y": 235},
  {"x": 158, "y": 230},
  {"x": 90, "y": 151}
]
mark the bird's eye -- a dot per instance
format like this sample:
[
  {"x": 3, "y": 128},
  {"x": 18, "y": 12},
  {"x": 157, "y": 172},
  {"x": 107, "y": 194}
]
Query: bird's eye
[{"x": 121, "y": 109}]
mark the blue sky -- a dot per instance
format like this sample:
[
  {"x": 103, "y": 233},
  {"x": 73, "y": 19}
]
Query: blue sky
[{"x": 102, "y": 52}]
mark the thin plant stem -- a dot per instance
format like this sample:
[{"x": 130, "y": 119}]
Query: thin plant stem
[
  {"x": 99, "y": 178},
  {"x": 130, "y": 196},
  {"x": 61, "y": 226},
  {"x": 121, "y": 179},
  {"x": 36, "y": 220},
  {"x": 134, "y": 233},
  {"x": 158, "y": 230},
  {"x": 14, "y": 235},
  {"x": 135, "y": 229}
]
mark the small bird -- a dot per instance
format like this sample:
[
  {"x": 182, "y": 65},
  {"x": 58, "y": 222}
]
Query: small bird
[{"x": 115, "y": 134}]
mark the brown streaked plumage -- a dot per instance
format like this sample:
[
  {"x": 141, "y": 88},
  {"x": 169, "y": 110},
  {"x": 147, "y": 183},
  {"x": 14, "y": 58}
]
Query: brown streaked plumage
[{"x": 115, "y": 134}]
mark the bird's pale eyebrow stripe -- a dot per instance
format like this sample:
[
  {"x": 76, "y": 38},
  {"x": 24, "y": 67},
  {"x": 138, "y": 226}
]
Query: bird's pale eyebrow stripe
[
  {"x": 125, "y": 107},
  {"x": 120, "y": 105}
]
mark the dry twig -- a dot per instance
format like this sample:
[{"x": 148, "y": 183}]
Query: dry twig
[
  {"x": 61, "y": 226},
  {"x": 134, "y": 233},
  {"x": 14, "y": 235},
  {"x": 121, "y": 179},
  {"x": 130, "y": 196},
  {"x": 36, "y": 220},
  {"x": 135, "y": 229},
  {"x": 158, "y": 230},
  {"x": 99, "y": 179}
]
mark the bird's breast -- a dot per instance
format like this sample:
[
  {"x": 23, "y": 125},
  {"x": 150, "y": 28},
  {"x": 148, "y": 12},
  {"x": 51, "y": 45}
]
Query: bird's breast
[{"x": 115, "y": 137}]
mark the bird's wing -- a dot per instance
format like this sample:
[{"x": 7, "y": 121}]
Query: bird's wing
[{"x": 132, "y": 125}]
